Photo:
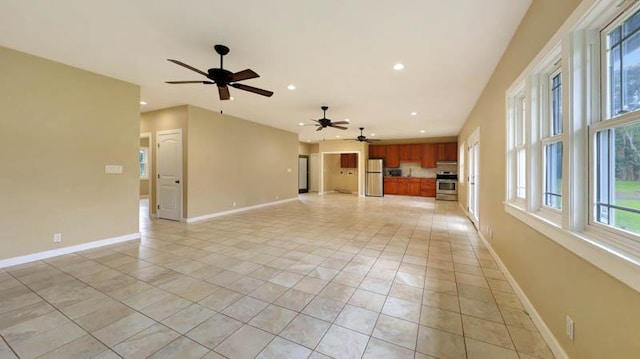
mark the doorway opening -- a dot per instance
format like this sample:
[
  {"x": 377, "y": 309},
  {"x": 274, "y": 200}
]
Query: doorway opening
[
  {"x": 341, "y": 172},
  {"x": 473, "y": 183},
  {"x": 303, "y": 174}
]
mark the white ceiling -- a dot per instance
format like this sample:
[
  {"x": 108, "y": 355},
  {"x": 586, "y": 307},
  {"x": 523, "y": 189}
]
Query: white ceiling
[{"x": 337, "y": 52}]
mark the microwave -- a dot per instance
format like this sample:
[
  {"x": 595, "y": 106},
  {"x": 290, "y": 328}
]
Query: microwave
[{"x": 395, "y": 173}]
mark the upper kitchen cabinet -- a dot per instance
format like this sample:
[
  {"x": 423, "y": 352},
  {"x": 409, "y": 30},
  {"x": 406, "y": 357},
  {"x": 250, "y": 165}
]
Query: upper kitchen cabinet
[
  {"x": 410, "y": 153},
  {"x": 447, "y": 151},
  {"x": 349, "y": 160},
  {"x": 428, "y": 155},
  {"x": 377, "y": 151},
  {"x": 392, "y": 156}
]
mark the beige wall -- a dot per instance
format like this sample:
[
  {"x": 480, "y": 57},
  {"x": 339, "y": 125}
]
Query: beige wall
[
  {"x": 303, "y": 148},
  {"x": 162, "y": 120},
  {"x": 558, "y": 283},
  {"x": 337, "y": 177},
  {"x": 417, "y": 140},
  {"x": 75, "y": 123},
  {"x": 234, "y": 160}
]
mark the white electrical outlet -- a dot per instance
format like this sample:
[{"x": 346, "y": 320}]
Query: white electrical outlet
[
  {"x": 570, "y": 328},
  {"x": 57, "y": 237}
]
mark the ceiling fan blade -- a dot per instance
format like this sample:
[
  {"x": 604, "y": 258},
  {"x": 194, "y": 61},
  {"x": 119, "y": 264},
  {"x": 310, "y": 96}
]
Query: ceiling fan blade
[
  {"x": 253, "y": 89},
  {"x": 244, "y": 75},
  {"x": 319, "y": 128},
  {"x": 224, "y": 93},
  {"x": 189, "y": 67},
  {"x": 340, "y": 122},
  {"x": 372, "y": 140},
  {"x": 340, "y": 127},
  {"x": 191, "y": 82}
]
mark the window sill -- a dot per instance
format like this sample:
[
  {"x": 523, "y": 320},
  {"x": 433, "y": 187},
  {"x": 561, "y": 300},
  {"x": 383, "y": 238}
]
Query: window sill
[{"x": 621, "y": 263}]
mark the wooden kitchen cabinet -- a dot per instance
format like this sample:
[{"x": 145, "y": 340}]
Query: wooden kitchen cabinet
[
  {"x": 410, "y": 153},
  {"x": 447, "y": 151},
  {"x": 428, "y": 187},
  {"x": 403, "y": 186},
  {"x": 391, "y": 156},
  {"x": 376, "y": 151},
  {"x": 349, "y": 160},
  {"x": 404, "y": 152},
  {"x": 413, "y": 186},
  {"x": 428, "y": 155},
  {"x": 390, "y": 185}
]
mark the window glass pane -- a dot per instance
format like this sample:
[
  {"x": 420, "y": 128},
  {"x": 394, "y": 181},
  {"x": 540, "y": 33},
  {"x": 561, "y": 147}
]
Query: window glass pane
[
  {"x": 556, "y": 105},
  {"x": 631, "y": 73},
  {"x": 615, "y": 82},
  {"x": 142, "y": 162},
  {"x": 521, "y": 174},
  {"x": 618, "y": 177},
  {"x": 631, "y": 24},
  {"x": 553, "y": 175}
]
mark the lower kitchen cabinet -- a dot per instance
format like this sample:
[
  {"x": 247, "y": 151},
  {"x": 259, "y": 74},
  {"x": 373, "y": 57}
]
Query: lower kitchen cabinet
[
  {"x": 390, "y": 186},
  {"x": 428, "y": 187},
  {"x": 413, "y": 186}
]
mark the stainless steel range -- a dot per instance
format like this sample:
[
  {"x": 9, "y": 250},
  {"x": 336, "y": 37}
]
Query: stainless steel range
[{"x": 447, "y": 186}]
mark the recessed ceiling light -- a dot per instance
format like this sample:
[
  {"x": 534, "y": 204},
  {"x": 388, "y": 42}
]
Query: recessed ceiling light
[
  {"x": 398, "y": 66},
  {"x": 373, "y": 135},
  {"x": 413, "y": 113},
  {"x": 308, "y": 140},
  {"x": 348, "y": 120},
  {"x": 421, "y": 131},
  {"x": 143, "y": 103},
  {"x": 337, "y": 136},
  {"x": 291, "y": 87},
  {"x": 231, "y": 98},
  {"x": 300, "y": 123}
]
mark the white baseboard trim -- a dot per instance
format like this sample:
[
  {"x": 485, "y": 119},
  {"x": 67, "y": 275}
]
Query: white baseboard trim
[
  {"x": 232, "y": 211},
  {"x": 66, "y": 250},
  {"x": 546, "y": 333}
]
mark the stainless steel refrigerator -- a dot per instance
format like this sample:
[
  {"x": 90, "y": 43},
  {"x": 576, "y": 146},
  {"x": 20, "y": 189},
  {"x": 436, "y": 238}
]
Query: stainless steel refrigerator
[{"x": 375, "y": 178}]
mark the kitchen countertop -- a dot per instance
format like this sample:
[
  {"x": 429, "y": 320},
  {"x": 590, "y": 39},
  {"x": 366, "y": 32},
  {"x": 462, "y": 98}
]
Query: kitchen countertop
[{"x": 409, "y": 177}]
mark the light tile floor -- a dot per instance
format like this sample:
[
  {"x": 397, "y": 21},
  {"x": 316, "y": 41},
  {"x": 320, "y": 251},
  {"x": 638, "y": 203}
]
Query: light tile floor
[{"x": 326, "y": 276}]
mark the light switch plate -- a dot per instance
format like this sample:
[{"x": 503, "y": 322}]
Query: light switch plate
[{"x": 113, "y": 169}]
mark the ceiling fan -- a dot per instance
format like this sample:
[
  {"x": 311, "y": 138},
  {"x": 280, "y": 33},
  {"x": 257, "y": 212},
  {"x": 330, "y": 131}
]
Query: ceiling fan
[
  {"x": 223, "y": 78},
  {"x": 325, "y": 122},
  {"x": 363, "y": 138}
]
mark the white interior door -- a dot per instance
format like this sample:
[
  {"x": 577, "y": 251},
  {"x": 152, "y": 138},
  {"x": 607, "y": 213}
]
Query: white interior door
[
  {"x": 473, "y": 181},
  {"x": 314, "y": 172},
  {"x": 169, "y": 185}
]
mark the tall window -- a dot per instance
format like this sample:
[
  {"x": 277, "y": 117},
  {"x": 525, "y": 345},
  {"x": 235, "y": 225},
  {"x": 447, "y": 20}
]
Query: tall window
[
  {"x": 143, "y": 162},
  {"x": 520, "y": 147},
  {"x": 617, "y": 137},
  {"x": 552, "y": 144}
]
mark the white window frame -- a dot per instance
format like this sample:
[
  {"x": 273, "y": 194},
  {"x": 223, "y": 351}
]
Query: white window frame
[
  {"x": 146, "y": 162},
  {"x": 552, "y": 67},
  {"x": 515, "y": 99},
  {"x": 578, "y": 44}
]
